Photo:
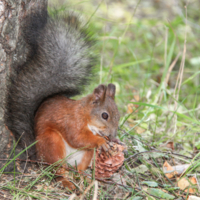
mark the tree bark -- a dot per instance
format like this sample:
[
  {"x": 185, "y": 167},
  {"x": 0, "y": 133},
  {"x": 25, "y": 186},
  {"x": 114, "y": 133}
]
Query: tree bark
[{"x": 13, "y": 52}]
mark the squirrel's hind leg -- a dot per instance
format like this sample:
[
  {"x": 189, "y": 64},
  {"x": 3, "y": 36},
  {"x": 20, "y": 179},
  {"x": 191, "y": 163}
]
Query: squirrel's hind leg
[
  {"x": 62, "y": 173},
  {"x": 51, "y": 148}
]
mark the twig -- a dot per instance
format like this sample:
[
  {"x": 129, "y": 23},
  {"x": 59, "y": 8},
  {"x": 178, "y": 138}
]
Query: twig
[
  {"x": 24, "y": 166},
  {"x": 72, "y": 196},
  {"x": 171, "y": 68},
  {"x": 95, "y": 190},
  {"x": 169, "y": 72}
]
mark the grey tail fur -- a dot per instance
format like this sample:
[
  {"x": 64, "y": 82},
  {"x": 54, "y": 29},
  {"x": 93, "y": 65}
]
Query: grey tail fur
[{"x": 59, "y": 62}]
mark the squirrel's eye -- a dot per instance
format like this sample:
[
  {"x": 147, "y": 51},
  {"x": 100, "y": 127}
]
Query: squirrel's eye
[{"x": 104, "y": 115}]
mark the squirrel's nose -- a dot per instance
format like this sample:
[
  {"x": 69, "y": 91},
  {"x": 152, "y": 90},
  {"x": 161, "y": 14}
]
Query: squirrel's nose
[{"x": 113, "y": 135}]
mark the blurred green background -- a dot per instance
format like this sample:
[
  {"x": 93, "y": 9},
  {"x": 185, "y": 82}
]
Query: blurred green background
[{"x": 137, "y": 44}]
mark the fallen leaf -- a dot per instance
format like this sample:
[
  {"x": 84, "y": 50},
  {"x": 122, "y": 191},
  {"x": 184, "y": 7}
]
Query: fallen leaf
[
  {"x": 179, "y": 169},
  {"x": 168, "y": 167},
  {"x": 160, "y": 193},
  {"x": 184, "y": 184},
  {"x": 131, "y": 106},
  {"x": 191, "y": 197},
  {"x": 136, "y": 97},
  {"x": 150, "y": 183},
  {"x": 139, "y": 130},
  {"x": 142, "y": 169},
  {"x": 170, "y": 145}
]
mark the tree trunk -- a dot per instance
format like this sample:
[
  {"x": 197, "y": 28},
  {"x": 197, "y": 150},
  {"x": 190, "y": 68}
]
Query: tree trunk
[{"x": 13, "y": 52}]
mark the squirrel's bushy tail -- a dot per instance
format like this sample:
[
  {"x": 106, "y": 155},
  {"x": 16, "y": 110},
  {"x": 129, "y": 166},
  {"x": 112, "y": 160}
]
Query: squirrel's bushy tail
[{"x": 60, "y": 62}]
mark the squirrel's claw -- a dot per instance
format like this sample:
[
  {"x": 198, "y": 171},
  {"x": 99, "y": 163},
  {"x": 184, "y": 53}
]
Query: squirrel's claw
[{"x": 106, "y": 147}]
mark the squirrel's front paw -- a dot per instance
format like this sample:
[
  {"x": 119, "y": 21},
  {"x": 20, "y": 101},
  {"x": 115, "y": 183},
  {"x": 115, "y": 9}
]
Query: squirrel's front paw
[{"x": 106, "y": 148}]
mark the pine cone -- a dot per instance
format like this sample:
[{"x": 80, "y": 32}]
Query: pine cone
[{"x": 107, "y": 163}]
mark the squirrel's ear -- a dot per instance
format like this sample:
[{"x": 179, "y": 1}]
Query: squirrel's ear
[
  {"x": 99, "y": 93},
  {"x": 111, "y": 91}
]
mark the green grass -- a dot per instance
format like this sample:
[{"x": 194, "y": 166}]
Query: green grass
[{"x": 136, "y": 50}]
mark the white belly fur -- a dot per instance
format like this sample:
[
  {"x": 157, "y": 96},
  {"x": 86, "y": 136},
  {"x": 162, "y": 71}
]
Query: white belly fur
[{"x": 74, "y": 156}]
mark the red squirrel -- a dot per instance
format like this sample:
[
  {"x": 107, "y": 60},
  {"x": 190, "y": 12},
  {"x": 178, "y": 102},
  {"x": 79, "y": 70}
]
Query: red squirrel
[{"x": 38, "y": 105}]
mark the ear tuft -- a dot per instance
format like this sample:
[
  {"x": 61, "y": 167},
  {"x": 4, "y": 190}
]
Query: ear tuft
[
  {"x": 111, "y": 91},
  {"x": 99, "y": 93}
]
